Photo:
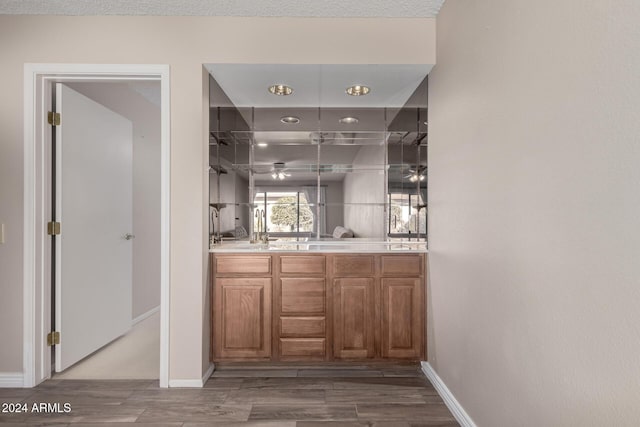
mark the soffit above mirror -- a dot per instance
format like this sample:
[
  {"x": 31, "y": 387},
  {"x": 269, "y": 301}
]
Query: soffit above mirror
[{"x": 318, "y": 85}]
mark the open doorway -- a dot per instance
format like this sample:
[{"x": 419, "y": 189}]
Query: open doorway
[
  {"x": 145, "y": 107},
  {"x": 106, "y": 264}
]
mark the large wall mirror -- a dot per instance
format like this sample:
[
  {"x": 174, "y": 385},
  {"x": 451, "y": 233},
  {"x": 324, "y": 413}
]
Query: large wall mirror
[{"x": 317, "y": 172}]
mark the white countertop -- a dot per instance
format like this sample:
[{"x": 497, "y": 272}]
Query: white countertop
[{"x": 339, "y": 246}]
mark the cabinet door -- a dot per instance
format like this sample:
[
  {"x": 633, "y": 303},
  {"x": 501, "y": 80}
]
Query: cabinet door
[
  {"x": 242, "y": 317},
  {"x": 354, "y": 321},
  {"x": 402, "y": 311}
]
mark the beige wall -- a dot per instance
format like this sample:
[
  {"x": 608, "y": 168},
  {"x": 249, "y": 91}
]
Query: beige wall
[
  {"x": 185, "y": 43},
  {"x": 534, "y": 180}
]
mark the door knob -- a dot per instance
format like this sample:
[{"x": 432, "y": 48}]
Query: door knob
[{"x": 129, "y": 236}]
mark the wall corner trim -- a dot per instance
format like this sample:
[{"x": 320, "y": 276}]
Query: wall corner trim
[
  {"x": 449, "y": 399},
  {"x": 193, "y": 383},
  {"x": 11, "y": 380}
]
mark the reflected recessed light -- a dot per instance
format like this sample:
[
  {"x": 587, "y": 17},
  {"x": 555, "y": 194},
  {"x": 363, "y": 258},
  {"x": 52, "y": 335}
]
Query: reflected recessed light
[
  {"x": 425, "y": 123},
  {"x": 281, "y": 90},
  {"x": 348, "y": 120},
  {"x": 262, "y": 144},
  {"x": 290, "y": 120},
  {"x": 357, "y": 90}
]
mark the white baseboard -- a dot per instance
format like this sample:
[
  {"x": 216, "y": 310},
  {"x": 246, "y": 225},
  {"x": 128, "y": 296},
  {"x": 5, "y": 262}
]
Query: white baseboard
[
  {"x": 449, "y": 399},
  {"x": 193, "y": 383},
  {"x": 11, "y": 380},
  {"x": 208, "y": 374},
  {"x": 145, "y": 315}
]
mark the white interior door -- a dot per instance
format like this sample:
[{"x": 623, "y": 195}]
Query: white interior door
[{"x": 94, "y": 205}]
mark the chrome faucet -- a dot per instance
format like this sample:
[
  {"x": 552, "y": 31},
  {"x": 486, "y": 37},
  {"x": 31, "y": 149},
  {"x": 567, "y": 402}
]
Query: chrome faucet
[
  {"x": 213, "y": 239},
  {"x": 259, "y": 236}
]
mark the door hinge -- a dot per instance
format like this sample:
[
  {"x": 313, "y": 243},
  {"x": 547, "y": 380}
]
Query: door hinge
[
  {"x": 53, "y": 228},
  {"x": 53, "y": 338},
  {"x": 53, "y": 118}
]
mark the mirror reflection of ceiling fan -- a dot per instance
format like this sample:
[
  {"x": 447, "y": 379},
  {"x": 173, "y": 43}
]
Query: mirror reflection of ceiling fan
[
  {"x": 418, "y": 173},
  {"x": 279, "y": 171}
]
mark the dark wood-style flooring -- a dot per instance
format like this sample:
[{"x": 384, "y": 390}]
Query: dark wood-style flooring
[{"x": 248, "y": 395}]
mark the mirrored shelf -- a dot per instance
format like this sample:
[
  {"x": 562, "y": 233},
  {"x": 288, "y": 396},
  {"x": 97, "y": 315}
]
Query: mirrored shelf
[{"x": 306, "y": 171}]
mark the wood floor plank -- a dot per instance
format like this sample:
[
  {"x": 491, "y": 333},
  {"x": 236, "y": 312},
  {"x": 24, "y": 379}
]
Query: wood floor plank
[
  {"x": 242, "y": 424},
  {"x": 375, "y": 396},
  {"x": 275, "y": 396},
  {"x": 85, "y": 397},
  {"x": 98, "y": 384},
  {"x": 21, "y": 393},
  {"x": 37, "y": 424},
  {"x": 195, "y": 413},
  {"x": 90, "y": 414},
  {"x": 403, "y": 411},
  {"x": 339, "y": 373},
  {"x": 364, "y": 382},
  {"x": 452, "y": 423},
  {"x": 178, "y": 424},
  {"x": 243, "y": 373},
  {"x": 224, "y": 383},
  {"x": 164, "y": 396},
  {"x": 295, "y": 383},
  {"x": 352, "y": 424},
  {"x": 304, "y": 412}
]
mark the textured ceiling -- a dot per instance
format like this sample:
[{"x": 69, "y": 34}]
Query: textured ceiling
[{"x": 310, "y": 8}]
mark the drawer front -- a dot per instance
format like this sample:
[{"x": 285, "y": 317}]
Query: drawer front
[
  {"x": 302, "y": 326},
  {"x": 302, "y": 264},
  {"x": 302, "y": 347},
  {"x": 258, "y": 264},
  {"x": 347, "y": 265},
  {"x": 302, "y": 295},
  {"x": 409, "y": 265}
]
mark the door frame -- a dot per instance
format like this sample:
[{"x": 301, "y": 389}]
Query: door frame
[{"x": 36, "y": 280}]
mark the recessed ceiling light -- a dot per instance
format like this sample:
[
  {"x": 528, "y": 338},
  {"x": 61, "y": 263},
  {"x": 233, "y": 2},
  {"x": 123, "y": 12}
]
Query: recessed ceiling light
[
  {"x": 357, "y": 90},
  {"x": 348, "y": 120},
  {"x": 262, "y": 144},
  {"x": 290, "y": 120},
  {"x": 281, "y": 90}
]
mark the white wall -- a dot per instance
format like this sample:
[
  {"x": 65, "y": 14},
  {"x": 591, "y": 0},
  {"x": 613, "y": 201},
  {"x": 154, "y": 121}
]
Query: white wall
[
  {"x": 534, "y": 203},
  {"x": 127, "y": 100},
  {"x": 184, "y": 43},
  {"x": 362, "y": 190}
]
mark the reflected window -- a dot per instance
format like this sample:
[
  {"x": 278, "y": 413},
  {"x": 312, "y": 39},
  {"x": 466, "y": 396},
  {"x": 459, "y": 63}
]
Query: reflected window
[
  {"x": 287, "y": 212},
  {"x": 407, "y": 215}
]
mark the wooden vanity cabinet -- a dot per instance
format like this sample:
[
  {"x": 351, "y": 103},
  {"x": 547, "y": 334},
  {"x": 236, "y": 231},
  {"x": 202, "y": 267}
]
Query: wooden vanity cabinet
[
  {"x": 241, "y": 307},
  {"x": 300, "y": 308},
  {"x": 355, "y": 319},
  {"x": 378, "y": 306},
  {"x": 403, "y": 306},
  {"x": 318, "y": 307}
]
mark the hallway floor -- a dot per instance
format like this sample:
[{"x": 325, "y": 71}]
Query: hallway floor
[
  {"x": 249, "y": 395},
  {"x": 135, "y": 355}
]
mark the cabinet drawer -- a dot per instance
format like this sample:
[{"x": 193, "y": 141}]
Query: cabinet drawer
[
  {"x": 302, "y": 326},
  {"x": 302, "y": 264},
  {"x": 302, "y": 295},
  {"x": 258, "y": 264},
  {"x": 302, "y": 347},
  {"x": 347, "y": 265},
  {"x": 409, "y": 265}
]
